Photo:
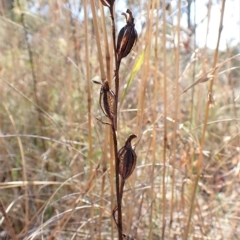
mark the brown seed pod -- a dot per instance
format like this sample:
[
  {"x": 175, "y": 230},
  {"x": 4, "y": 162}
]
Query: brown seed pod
[
  {"x": 107, "y": 101},
  {"x": 127, "y": 158},
  {"x": 107, "y": 3},
  {"x": 127, "y": 36}
]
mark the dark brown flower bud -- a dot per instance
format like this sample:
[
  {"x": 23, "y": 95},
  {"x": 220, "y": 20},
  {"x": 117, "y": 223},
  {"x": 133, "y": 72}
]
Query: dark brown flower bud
[
  {"x": 107, "y": 3},
  {"x": 127, "y": 158},
  {"x": 107, "y": 101},
  {"x": 127, "y": 36}
]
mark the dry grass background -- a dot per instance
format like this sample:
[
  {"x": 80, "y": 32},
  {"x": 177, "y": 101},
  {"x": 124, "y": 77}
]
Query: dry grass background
[{"x": 57, "y": 173}]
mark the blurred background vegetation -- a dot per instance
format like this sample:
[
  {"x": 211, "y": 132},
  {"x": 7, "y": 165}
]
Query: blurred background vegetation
[{"x": 56, "y": 165}]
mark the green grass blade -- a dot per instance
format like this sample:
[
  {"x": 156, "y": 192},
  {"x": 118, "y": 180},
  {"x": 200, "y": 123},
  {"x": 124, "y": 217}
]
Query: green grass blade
[{"x": 132, "y": 75}]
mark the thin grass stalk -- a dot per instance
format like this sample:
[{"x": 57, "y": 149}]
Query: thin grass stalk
[
  {"x": 114, "y": 133},
  {"x": 37, "y": 106},
  {"x": 155, "y": 101},
  {"x": 98, "y": 41},
  {"x": 165, "y": 119},
  {"x": 65, "y": 217},
  {"x": 200, "y": 217},
  {"x": 100, "y": 59},
  {"x": 119, "y": 202},
  {"x": 75, "y": 203},
  {"x": 206, "y": 37},
  {"x": 106, "y": 44},
  {"x": 200, "y": 158},
  {"x": 33, "y": 71},
  {"x": 112, "y": 185},
  {"x": 205, "y": 66},
  {"x": 92, "y": 190},
  {"x": 192, "y": 110},
  {"x": 105, "y": 160},
  {"x": 102, "y": 202},
  {"x": 234, "y": 223},
  {"x": 146, "y": 67},
  {"x": 7, "y": 221},
  {"x": 114, "y": 129},
  {"x": 89, "y": 95},
  {"x": 24, "y": 168},
  {"x": 73, "y": 27},
  {"x": 175, "y": 127},
  {"x": 74, "y": 36},
  {"x": 37, "y": 214},
  {"x": 232, "y": 87},
  {"x": 130, "y": 210},
  {"x": 89, "y": 104},
  {"x": 140, "y": 111},
  {"x": 69, "y": 92},
  {"x": 198, "y": 107},
  {"x": 233, "y": 90},
  {"x": 107, "y": 132},
  {"x": 116, "y": 75},
  {"x": 102, "y": 205}
]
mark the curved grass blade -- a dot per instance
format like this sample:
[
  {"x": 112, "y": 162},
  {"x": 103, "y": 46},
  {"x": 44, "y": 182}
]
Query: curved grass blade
[{"x": 133, "y": 74}]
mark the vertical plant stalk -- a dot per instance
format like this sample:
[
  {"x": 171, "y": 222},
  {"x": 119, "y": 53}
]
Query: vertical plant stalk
[
  {"x": 200, "y": 158},
  {"x": 119, "y": 202},
  {"x": 105, "y": 107},
  {"x": 8, "y": 224},
  {"x": 89, "y": 101},
  {"x": 145, "y": 72},
  {"x": 106, "y": 158},
  {"x": 122, "y": 187},
  {"x": 142, "y": 93},
  {"x": 177, "y": 53},
  {"x": 125, "y": 157},
  {"x": 165, "y": 118},
  {"x": 116, "y": 76},
  {"x": 74, "y": 35},
  {"x": 106, "y": 44},
  {"x": 98, "y": 40},
  {"x": 76, "y": 48},
  {"x": 40, "y": 118},
  {"x": 89, "y": 97},
  {"x": 193, "y": 96},
  {"x": 24, "y": 169},
  {"x": 96, "y": 30},
  {"x": 114, "y": 129}
]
